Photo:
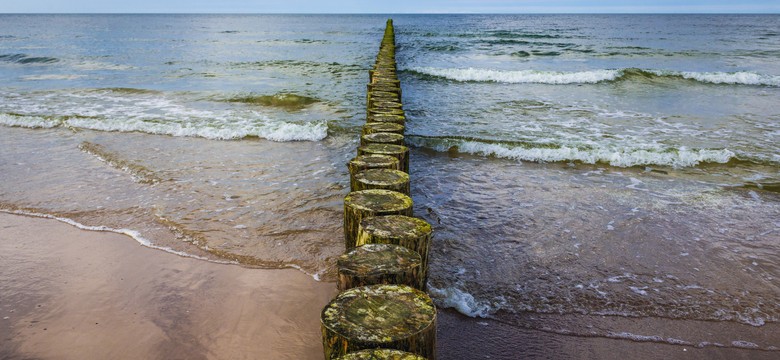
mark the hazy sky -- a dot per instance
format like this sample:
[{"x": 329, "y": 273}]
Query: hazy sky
[{"x": 389, "y": 6}]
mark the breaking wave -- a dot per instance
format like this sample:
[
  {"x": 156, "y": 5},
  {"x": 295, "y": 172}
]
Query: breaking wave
[
  {"x": 27, "y": 59},
  {"x": 238, "y": 129},
  {"x": 620, "y": 157},
  {"x": 594, "y": 76}
]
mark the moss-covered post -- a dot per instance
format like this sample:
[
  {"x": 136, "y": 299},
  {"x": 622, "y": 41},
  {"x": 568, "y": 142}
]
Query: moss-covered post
[
  {"x": 372, "y": 161},
  {"x": 385, "y": 179},
  {"x": 382, "y": 138},
  {"x": 359, "y": 205},
  {"x": 379, "y": 316},
  {"x": 381, "y": 354},
  {"x": 386, "y": 127},
  {"x": 376, "y": 264},
  {"x": 400, "y": 152},
  {"x": 410, "y": 232}
]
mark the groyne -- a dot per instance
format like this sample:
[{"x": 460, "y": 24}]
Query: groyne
[{"x": 382, "y": 311}]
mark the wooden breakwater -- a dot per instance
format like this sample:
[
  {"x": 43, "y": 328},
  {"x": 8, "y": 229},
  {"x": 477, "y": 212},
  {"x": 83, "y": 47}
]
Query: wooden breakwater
[{"x": 382, "y": 311}]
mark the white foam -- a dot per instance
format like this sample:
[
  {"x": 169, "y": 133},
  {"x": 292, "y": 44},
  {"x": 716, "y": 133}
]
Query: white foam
[
  {"x": 461, "y": 301},
  {"x": 620, "y": 157},
  {"x": 275, "y": 131},
  {"x": 131, "y": 233},
  {"x": 735, "y": 78},
  {"x": 522, "y": 76},
  {"x": 591, "y": 76},
  {"x": 33, "y": 122},
  {"x": 52, "y": 77}
]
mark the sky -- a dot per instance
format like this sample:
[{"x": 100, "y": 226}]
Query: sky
[{"x": 389, "y": 6}]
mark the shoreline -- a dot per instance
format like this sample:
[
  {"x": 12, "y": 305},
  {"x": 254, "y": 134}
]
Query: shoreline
[{"x": 74, "y": 294}]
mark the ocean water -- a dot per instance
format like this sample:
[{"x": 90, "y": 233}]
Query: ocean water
[{"x": 586, "y": 175}]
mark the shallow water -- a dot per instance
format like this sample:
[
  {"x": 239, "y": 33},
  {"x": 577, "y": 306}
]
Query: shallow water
[{"x": 581, "y": 180}]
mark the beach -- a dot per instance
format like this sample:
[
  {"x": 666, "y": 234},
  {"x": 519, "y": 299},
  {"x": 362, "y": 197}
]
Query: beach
[
  {"x": 597, "y": 184},
  {"x": 75, "y": 294}
]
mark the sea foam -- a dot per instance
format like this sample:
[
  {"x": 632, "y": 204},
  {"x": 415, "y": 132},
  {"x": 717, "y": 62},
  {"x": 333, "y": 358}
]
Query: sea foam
[
  {"x": 271, "y": 130},
  {"x": 594, "y": 76},
  {"x": 620, "y": 157},
  {"x": 521, "y": 76}
]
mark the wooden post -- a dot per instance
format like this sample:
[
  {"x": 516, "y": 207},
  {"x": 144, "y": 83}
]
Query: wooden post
[
  {"x": 400, "y": 152},
  {"x": 394, "y": 180},
  {"x": 382, "y": 138},
  {"x": 365, "y": 203},
  {"x": 381, "y": 354},
  {"x": 379, "y": 316},
  {"x": 410, "y": 232},
  {"x": 398, "y": 119},
  {"x": 388, "y": 127},
  {"x": 377, "y": 264},
  {"x": 372, "y": 161}
]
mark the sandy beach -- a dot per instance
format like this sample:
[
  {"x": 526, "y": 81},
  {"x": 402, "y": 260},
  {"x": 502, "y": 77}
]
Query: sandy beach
[{"x": 74, "y": 294}]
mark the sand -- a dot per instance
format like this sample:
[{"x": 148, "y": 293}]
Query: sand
[{"x": 66, "y": 293}]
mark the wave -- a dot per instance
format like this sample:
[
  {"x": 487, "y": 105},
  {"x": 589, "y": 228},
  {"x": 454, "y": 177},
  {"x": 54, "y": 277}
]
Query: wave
[
  {"x": 594, "y": 76},
  {"x": 275, "y": 131},
  {"x": 135, "y": 235},
  {"x": 619, "y": 157},
  {"x": 139, "y": 172},
  {"x": 26, "y": 59}
]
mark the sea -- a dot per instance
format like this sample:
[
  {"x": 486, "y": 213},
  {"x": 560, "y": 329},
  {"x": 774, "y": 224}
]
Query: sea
[{"x": 595, "y": 176}]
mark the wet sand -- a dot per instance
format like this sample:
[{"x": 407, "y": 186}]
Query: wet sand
[{"x": 66, "y": 293}]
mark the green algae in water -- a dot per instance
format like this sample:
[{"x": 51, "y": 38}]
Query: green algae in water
[{"x": 287, "y": 101}]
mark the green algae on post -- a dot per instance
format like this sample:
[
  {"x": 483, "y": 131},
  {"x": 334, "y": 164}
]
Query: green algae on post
[
  {"x": 381, "y": 354},
  {"x": 386, "y": 127},
  {"x": 394, "y": 180},
  {"x": 372, "y": 161},
  {"x": 365, "y": 203},
  {"x": 382, "y": 138},
  {"x": 410, "y": 232},
  {"x": 400, "y": 152},
  {"x": 393, "y": 118},
  {"x": 377, "y": 264},
  {"x": 379, "y": 316}
]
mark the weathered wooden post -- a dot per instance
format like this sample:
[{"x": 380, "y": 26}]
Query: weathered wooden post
[
  {"x": 382, "y": 138},
  {"x": 410, "y": 232},
  {"x": 381, "y": 354},
  {"x": 400, "y": 152},
  {"x": 372, "y": 161},
  {"x": 386, "y": 127},
  {"x": 384, "y": 179},
  {"x": 365, "y": 203},
  {"x": 379, "y": 316},
  {"x": 377, "y": 264}
]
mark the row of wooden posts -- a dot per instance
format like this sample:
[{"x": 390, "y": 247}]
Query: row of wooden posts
[{"x": 382, "y": 311}]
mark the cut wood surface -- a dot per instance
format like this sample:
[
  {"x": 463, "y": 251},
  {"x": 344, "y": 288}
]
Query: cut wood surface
[
  {"x": 376, "y": 264},
  {"x": 365, "y": 203},
  {"x": 379, "y": 316}
]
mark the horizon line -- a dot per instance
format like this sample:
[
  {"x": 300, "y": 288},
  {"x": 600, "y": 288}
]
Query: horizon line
[{"x": 390, "y": 13}]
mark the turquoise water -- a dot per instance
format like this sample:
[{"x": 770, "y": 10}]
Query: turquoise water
[{"x": 584, "y": 173}]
